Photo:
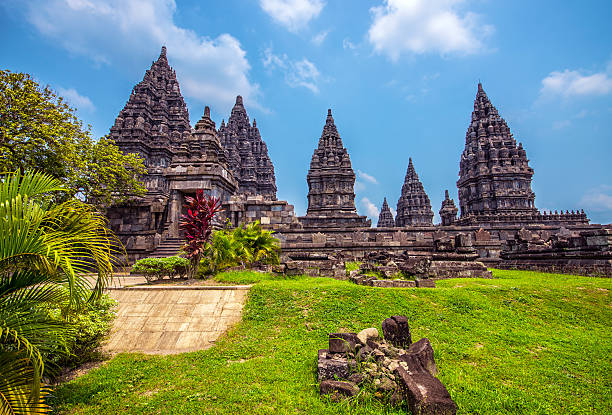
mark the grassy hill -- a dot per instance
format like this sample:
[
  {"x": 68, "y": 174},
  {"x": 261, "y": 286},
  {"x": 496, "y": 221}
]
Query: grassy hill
[{"x": 521, "y": 343}]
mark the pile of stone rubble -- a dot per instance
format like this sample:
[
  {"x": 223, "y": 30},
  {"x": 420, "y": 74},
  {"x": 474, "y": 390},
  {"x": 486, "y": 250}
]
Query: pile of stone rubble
[{"x": 393, "y": 368}]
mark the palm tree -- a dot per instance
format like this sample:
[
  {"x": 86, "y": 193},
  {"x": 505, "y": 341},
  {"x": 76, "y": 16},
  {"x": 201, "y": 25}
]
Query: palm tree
[
  {"x": 46, "y": 252},
  {"x": 261, "y": 243}
]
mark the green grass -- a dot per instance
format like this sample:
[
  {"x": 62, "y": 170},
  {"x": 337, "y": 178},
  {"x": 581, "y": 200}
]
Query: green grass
[{"x": 521, "y": 343}]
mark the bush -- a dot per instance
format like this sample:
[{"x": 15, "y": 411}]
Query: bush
[
  {"x": 246, "y": 245},
  {"x": 158, "y": 268},
  {"x": 89, "y": 328}
]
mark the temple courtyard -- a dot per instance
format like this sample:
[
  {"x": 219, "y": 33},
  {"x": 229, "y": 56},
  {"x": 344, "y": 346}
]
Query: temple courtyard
[{"x": 521, "y": 342}]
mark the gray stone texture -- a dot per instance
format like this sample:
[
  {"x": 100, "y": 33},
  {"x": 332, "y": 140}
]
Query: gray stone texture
[
  {"x": 385, "y": 218},
  {"x": 331, "y": 179},
  {"x": 247, "y": 154},
  {"x": 413, "y": 206}
]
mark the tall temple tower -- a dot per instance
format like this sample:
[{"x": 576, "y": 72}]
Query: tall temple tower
[
  {"x": 494, "y": 174},
  {"x": 385, "y": 218},
  {"x": 154, "y": 120},
  {"x": 247, "y": 154},
  {"x": 155, "y": 124},
  {"x": 413, "y": 206},
  {"x": 331, "y": 180}
]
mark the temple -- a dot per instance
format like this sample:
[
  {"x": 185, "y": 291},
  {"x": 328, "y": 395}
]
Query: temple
[
  {"x": 494, "y": 174},
  {"x": 498, "y": 225},
  {"x": 331, "y": 180},
  {"x": 247, "y": 154},
  {"x": 385, "y": 218},
  {"x": 448, "y": 211},
  {"x": 413, "y": 206}
]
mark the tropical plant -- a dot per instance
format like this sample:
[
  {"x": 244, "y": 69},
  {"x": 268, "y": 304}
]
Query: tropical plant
[
  {"x": 245, "y": 245},
  {"x": 261, "y": 244},
  {"x": 40, "y": 131},
  {"x": 197, "y": 224},
  {"x": 46, "y": 253}
]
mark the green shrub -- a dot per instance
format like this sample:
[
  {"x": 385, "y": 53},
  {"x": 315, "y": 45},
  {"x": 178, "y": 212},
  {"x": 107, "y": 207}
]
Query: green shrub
[
  {"x": 158, "y": 268},
  {"x": 245, "y": 245},
  {"x": 89, "y": 328}
]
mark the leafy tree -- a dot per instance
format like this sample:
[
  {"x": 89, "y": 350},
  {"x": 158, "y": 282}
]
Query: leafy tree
[
  {"x": 40, "y": 131},
  {"x": 46, "y": 251},
  {"x": 197, "y": 224}
]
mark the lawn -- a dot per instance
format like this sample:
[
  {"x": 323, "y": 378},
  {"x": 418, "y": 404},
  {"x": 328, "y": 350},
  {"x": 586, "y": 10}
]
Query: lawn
[{"x": 521, "y": 343}]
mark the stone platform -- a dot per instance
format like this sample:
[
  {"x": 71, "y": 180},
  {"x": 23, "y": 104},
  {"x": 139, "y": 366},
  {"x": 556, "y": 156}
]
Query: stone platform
[{"x": 171, "y": 319}]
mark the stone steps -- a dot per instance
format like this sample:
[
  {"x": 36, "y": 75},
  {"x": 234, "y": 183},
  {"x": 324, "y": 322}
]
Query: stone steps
[{"x": 168, "y": 247}]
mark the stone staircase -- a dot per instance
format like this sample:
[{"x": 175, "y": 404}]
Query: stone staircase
[{"x": 168, "y": 247}]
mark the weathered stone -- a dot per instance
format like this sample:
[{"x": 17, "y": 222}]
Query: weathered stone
[
  {"x": 448, "y": 211},
  {"x": 396, "y": 331},
  {"x": 331, "y": 179},
  {"x": 386, "y": 385},
  {"x": 413, "y": 206},
  {"x": 420, "y": 356},
  {"x": 343, "y": 342},
  {"x": 365, "y": 334},
  {"x": 385, "y": 218},
  {"x": 425, "y": 394},
  {"x": 336, "y": 367},
  {"x": 247, "y": 154},
  {"x": 356, "y": 378},
  {"x": 426, "y": 283},
  {"x": 338, "y": 389}
]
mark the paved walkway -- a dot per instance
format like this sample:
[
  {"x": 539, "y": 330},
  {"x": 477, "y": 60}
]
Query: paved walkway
[{"x": 173, "y": 319}]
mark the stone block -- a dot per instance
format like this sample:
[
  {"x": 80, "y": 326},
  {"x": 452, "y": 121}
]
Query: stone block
[
  {"x": 424, "y": 394},
  {"x": 420, "y": 357},
  {"x": 331, "y": 367},
  {"x": 338, "y": 389},
  {"x": 343, "y": 342},
  {"x": 396, "y": 331},
  {"x": 427, "y": 283}
]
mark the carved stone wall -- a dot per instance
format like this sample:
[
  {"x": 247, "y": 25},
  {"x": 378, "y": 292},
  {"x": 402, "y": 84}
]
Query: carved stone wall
[
  {"x": 413, "y": 206},
  {"x": 247, "y": 154},
  {"x": 331, "y": 179}
]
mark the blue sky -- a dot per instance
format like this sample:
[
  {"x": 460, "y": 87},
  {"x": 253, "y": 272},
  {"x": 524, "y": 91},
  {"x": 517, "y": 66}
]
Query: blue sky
[{"x": 399, "y": 75}]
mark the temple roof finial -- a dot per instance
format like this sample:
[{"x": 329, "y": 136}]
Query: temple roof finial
[
  {"x": 207, "y": 111},
  {"x": 239, "y": 100}
]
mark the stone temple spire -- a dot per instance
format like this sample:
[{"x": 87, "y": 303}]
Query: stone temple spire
[
  {"x": 448, "y": 211},
  {"x": 331, "y": 179},
  {"x": 247, "y": 154},
  {"x": 494, "y": 173},
  {"x": 413, "y": 206},
  {"x": 385, "y": 218},
  {"x": 155, "y": 115}
]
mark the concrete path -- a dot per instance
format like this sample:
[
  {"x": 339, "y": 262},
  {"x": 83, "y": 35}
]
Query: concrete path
[{"x": 173, "y": 319}]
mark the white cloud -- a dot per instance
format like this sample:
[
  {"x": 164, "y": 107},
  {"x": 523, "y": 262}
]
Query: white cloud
[
  {"x": 393, "y": 211},
  {"x": 319, "y": 38},
  {"x": 347, "y": 44},
  {"x": 370, "y": 208},
  {"x": 76, "y": 100},
  {"x": 302, "y": 73},
  {"x": 293, "y": 14},
  {"x": 598, "y": 199},
  {"x": 129, "y": 32},
  {"x": 421, "y": 26},
  {"x": 359, "y": 186},
  {"x": 368, "y": 178},
  {"x": 574, "y": 83}
]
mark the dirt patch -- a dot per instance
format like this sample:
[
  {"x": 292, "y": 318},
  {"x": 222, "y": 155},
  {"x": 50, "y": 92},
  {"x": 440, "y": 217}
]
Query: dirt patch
[{"x": 72, "y": 374}]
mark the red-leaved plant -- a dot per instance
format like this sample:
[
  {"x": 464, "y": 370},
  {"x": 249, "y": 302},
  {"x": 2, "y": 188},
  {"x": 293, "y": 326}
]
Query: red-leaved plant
[{"x": 197, "y": 224}]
